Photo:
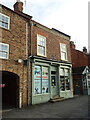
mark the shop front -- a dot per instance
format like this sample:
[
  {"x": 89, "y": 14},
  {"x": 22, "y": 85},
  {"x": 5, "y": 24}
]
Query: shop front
[
  {"x": 50, "y": 79},
  {"x": 66, "y": 89}
]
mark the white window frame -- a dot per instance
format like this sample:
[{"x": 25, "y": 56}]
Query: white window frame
[
  {"x": 40, "y": 36},
  {"x": 63, "y": 51},
  {"x": 6, "y": 22},
  {"x": 65, "y": 83},
  {"x": 5, "y": 51}
]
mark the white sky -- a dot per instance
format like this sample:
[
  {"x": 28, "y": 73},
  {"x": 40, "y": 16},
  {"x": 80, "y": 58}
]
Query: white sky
[{"x": 68, "y": 16}]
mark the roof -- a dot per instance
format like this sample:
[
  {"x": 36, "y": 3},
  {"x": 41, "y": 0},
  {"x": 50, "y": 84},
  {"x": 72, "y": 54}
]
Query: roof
[
  {"x": 79, "y": 70},
  {"x": 29, "y": 18},
  {"x": 60, "y": 32},
  {"x": 52, "y": 30},
  {"x": 19, "y": 13}
]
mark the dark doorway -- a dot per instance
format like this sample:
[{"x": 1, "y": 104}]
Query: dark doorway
[
  {"x": 10, "y": 92},
  {"x": 78, "y": 87}
]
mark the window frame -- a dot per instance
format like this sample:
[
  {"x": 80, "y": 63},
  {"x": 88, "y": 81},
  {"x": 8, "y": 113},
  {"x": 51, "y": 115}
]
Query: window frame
[
  {"x": 64, "y": 80},
  {"x": 40, "y": 36},
  {"x": 5, "y": 22},
  {"x": 41, "y": 81},
  {"x": 63, "y": 51},
  {"x": 5, "y": 51}
]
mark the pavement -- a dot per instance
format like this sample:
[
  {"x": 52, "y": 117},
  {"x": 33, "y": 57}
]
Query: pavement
[{"x": 77, "y": 107}]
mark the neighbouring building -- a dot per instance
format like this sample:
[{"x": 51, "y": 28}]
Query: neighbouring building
[
  {"x": 35, "y": 60},
  {"x": 81, "y": 70},
  {"x": 14, "y": 39}
]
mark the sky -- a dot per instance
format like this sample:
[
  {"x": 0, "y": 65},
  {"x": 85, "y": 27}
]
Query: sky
[{"x": 67, "y": 16}]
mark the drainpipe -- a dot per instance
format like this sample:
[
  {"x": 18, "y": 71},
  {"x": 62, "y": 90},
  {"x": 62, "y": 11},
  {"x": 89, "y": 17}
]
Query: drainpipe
[{"x": 30, "y": 68}]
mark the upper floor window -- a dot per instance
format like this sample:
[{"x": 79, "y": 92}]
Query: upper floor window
[
  {"x": 4, "y": 21},
  {"x": 41, "y": 45},
  {"x": 63, "y": 50},
  {"x": 4, "y": 51}
]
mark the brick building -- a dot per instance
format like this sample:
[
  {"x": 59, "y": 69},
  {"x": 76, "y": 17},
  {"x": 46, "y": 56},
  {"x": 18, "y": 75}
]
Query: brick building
[
  {"x": 81, "y": 70},
  {"x": 36, "y": 60},
  {"x": 13, "y": 53},
  {"x": 51, "y": 64}
]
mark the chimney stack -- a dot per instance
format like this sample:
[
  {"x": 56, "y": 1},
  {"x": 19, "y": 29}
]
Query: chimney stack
[
  {"x": 18, "y": 6},
  {"x": 84, "y": 49},
  {"x": 72, "y": 44}
]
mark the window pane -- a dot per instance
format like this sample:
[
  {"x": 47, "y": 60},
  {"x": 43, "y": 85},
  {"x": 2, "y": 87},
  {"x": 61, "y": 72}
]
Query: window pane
[
  {"x": 62, "y": 85},
  {"x": 41, "y": 45},
  {"x": 53, "y": 80},
  {"x": 67, "y": 80},
  {"x": 44, "y": 72},
  {"x": 3, "y": 47},
  {"x": 3, "y": 18},
  {"x": 3, "y": 54},
  {"x": 63, "y": 56},
  {"x": 61, "y": 71},
  {"x": 2, "y": 24},
  {"x": 4, "y": 21},
  {"x": 37, "y": 80},
  {"x": 63, "y": 47},
  {"x": 66, "y": 72},
  {"x": 45, "y": 81},
  {"x": 41, "y": 50},
  {"x": 6, "y": 25}
]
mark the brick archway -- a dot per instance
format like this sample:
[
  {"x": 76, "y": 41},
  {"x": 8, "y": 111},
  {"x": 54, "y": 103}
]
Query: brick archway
[{"x": 10, "y": 92}]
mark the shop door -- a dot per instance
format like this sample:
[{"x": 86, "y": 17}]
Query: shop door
[{"x": 54, "y": 83}]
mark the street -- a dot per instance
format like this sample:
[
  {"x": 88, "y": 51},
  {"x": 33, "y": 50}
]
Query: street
[{"x": 77, "y": 107}]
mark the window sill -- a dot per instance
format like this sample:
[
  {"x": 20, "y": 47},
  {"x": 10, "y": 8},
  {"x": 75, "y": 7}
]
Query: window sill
[
  {"x": 34, "y": 95},
  {"x": 41, "y": 55},
  {"x": 4, "y": 59}
]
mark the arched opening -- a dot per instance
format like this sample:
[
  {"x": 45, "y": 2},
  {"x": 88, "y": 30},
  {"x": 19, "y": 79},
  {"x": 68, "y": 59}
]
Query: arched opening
[{"x": 10, "y": 92}]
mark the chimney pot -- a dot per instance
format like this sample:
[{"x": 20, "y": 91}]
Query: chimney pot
[
  {"x": 84, "y": 49},
  {"x": 72, "y": 44},
  {"x": 18, "y": 6}
]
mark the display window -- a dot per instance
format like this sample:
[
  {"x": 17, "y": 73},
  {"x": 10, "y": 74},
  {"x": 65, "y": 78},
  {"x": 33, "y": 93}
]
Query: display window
[
  {"x": 64, "y": 79},
  {"x": 41, "y": 80},
  {"x": 37, "y": 80}
]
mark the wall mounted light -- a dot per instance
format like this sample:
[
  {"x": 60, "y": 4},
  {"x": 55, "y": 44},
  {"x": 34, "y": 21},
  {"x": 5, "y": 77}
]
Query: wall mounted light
[{"x": 20, "y": 61}]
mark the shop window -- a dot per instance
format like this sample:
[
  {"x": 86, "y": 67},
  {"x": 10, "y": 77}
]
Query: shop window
[
  {"x": 45, "y": 82},
  {"x": 67, "y": 79},
  {"x": 53, "y": 80},
  {"x": 41, "y": 80},
  {"x": 4, "y": 21},
  {"x": 37, "y": 80},
  {"x": 62, "y": 83},
  {"x": 64, "y": 79},
  {"x": 63, "y": 50},
  {"x": 4, "y": 51},
  {"x": 41, "y": 45}
]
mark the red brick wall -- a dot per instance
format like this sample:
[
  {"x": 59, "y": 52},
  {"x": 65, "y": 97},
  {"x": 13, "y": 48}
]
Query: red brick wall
[
  {"x": 79, "y": 58},
  {"x": 16, "y": 38},
  {"x": 53, "y": 41}
]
